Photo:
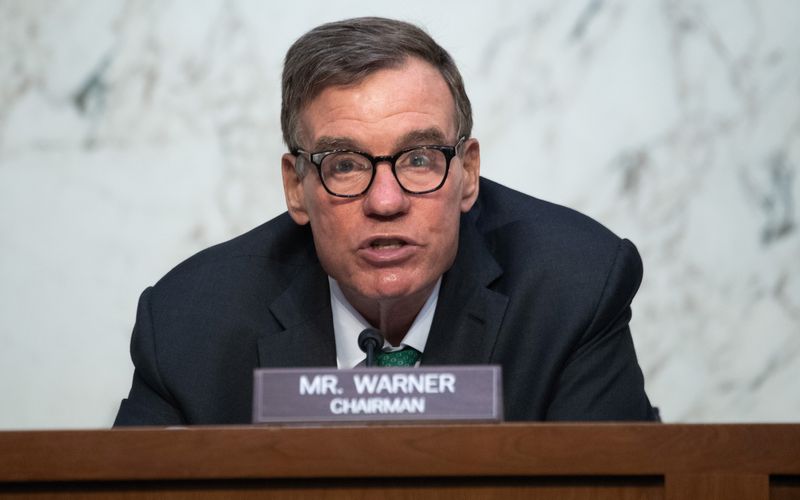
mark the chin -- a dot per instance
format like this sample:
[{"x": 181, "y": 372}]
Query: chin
[{"x": 392, "y": 286}]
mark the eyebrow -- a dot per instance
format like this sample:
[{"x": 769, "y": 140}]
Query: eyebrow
[
  {"x": 421, "y": 137},
  {"x": 328, "y": 143}
]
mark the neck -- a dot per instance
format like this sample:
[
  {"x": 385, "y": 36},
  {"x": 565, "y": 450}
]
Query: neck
[
  {"x": 393, "y": 317},
  {"x": 394, "y": 321}
]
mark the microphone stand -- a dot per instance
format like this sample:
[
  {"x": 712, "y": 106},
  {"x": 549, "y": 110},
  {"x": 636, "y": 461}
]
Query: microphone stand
[{"x": 368, "y": 341}]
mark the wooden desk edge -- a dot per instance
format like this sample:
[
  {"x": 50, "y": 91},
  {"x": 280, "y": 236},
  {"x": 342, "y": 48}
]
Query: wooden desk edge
[{"x": 437, "y": 450}]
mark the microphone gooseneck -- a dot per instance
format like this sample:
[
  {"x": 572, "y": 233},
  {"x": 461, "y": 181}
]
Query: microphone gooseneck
[{"x": 368, "y": 341}]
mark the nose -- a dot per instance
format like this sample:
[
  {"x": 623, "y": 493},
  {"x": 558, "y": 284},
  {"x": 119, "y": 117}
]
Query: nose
[{"x": 385, "y": 197}]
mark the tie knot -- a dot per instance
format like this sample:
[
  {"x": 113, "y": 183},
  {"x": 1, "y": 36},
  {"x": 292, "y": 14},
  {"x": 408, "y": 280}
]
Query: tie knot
[{"x": 407, "y": 356}]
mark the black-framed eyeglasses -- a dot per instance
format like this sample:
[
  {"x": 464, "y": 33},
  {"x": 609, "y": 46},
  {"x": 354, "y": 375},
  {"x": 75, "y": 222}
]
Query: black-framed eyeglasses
[{"x": 348, "y": 174}]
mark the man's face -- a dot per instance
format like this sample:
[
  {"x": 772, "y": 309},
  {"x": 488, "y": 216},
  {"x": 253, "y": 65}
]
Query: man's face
[{"x": 386, "y": 244}]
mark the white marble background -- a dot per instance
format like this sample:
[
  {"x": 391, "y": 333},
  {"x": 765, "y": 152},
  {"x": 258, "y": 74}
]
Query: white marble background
[{"x": 134, "y": 133}]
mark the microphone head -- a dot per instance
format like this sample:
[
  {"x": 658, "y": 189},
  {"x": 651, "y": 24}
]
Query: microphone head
[{"x": 370, "y": 336}]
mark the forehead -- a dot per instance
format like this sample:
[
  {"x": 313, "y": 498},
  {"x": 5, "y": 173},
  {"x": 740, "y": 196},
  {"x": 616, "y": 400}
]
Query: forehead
[{"x": 383, "y": 110}]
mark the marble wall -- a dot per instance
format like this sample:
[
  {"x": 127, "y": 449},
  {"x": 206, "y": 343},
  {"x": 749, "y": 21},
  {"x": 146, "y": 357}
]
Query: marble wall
[{"x": 134, "y": 133}]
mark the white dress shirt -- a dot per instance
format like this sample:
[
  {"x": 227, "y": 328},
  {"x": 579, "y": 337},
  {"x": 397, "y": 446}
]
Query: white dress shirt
[{"x": 349, "y": 323}]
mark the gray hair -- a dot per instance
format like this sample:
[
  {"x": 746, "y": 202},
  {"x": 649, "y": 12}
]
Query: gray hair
[{"x": 346, "y": 52}]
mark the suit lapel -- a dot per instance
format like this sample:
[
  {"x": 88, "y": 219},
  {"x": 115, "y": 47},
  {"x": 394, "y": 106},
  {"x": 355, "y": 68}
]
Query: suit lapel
[
  {"x": 304, "y": 311},
  {"x": 468, "y": 314}
]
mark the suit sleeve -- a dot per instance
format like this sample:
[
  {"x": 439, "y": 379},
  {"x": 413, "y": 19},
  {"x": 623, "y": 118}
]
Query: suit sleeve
[
  {"x": 602, "y": 379},
  {"x": 149, "y": 401}
]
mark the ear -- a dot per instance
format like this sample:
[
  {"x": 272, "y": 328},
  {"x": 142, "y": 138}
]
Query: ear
[
  {"x": 471, "y": 161},
  {"x": 293, "y": 190}
]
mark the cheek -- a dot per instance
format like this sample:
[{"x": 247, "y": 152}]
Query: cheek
[
  {"x": 446, "y": 212},
  {"x": 331, "y": 225},
  {"x": 328, "y": 232},
  {"x": 442, "y": 226}
]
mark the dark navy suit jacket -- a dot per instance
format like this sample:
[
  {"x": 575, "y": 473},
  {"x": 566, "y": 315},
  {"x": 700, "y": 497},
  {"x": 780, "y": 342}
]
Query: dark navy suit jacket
[{"x": 537, "y": 288}]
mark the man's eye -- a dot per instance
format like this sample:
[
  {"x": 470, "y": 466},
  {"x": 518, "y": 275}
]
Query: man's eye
[
  {"x": 344, "y": 167},
  {"x": 345, "y": 164},
  {"x": 420, "y": 160}
]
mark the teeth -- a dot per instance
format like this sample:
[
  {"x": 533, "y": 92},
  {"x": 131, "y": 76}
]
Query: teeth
[{"x": 386, "y": 244}]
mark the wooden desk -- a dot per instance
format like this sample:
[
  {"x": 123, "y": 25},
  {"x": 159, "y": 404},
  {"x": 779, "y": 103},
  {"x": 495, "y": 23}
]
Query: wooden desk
[{"x": 546, "y": 461}]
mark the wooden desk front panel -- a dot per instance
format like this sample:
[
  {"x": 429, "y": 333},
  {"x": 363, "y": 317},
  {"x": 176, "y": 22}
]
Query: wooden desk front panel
[{"x": 566, "y": 461}]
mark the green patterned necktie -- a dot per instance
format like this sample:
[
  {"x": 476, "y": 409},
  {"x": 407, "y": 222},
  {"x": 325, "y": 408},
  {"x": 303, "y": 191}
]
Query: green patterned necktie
[{"x": 407, "y": 356}]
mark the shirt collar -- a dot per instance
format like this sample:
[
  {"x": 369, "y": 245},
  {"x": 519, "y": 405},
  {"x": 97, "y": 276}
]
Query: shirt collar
[{"x": 349, "y": 323}]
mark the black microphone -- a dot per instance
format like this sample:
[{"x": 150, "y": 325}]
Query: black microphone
[{"x": 368, "y": 341}]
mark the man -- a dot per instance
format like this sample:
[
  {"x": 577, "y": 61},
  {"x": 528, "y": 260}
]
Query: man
[{"x": 390, "y": 225}]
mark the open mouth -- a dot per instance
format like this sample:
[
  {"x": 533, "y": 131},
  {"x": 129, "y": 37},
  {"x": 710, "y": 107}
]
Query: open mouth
[
  {"x": 386, "y": 244},
  {"x": 388, "y": 250}
]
